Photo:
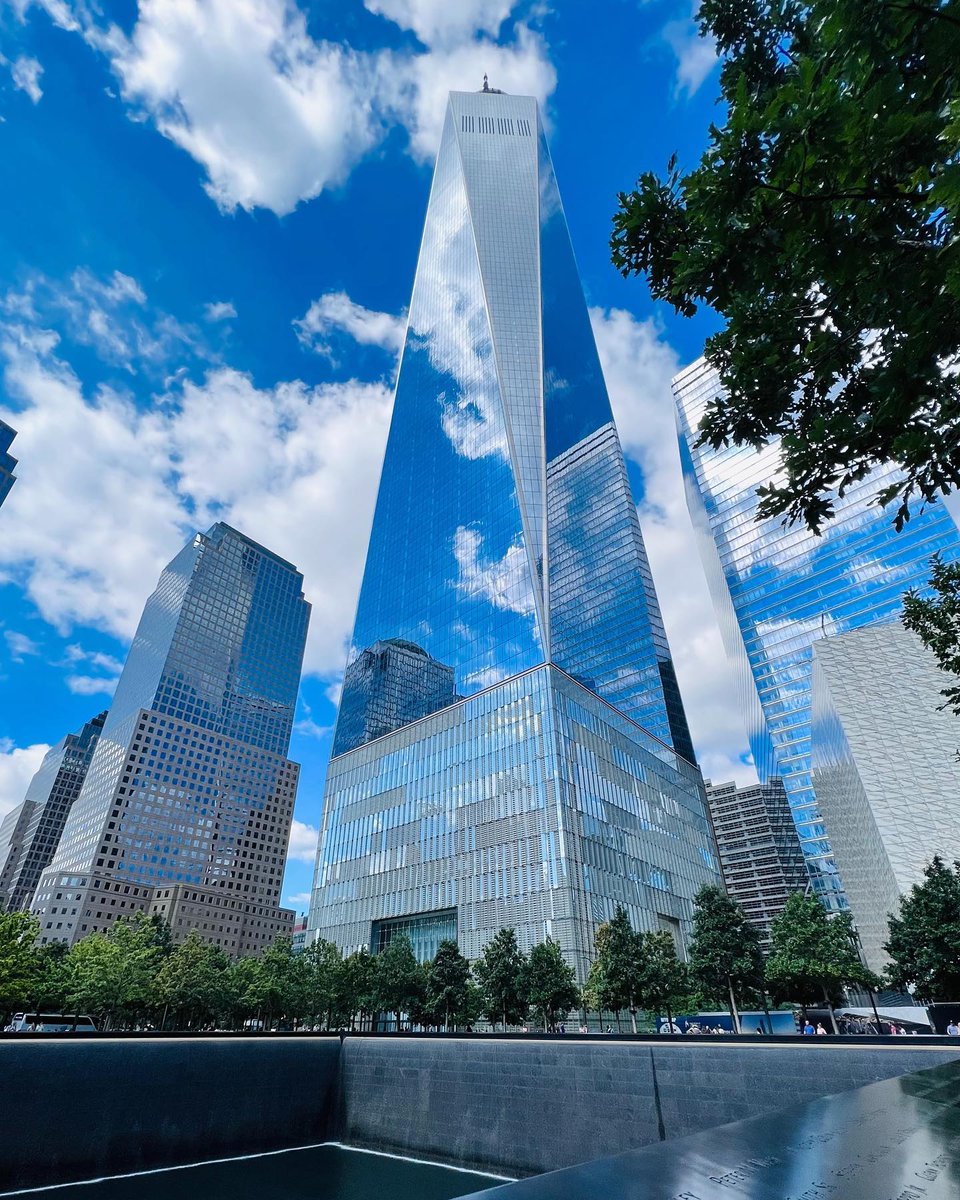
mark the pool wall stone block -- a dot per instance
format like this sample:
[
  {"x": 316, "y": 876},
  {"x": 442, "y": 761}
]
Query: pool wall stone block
[{"x": 78, "y": 1109}]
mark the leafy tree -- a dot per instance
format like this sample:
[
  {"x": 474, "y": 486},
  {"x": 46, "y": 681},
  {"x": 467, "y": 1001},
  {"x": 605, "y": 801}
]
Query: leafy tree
[
  {"x": 663, "y": 977},
  {"x": 326, "y": 983},
  {"x": 936, "y": 620},
  {"x": 499, "y": 972},
  {"x": 359, "y": 983},
  {"x": 448, "y": 979},
  {"x": 242, "y": 989},
  {"x": 924, "y": 943},
  {"x": 279, "y": 987},
  {"x": 822, "y": 225},
  {"x": 111, "y": 975},
  {"x": 619, "y": 965},
  {"x": 194, "y": 981},
  {"x": 812, "y": 954},
  {"x": 551, "y": 983},
  {"x": 19, "y": 964},
  {"x": 50, "y": 986},
  {"x": 725, "y": 955},
  {"x": 399, "y": 980}
]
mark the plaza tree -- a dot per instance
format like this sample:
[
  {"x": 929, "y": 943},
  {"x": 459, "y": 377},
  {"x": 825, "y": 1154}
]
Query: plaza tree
[
  {"x": 924, "y": 942},
  {"x": 551, "y": 984},
  {"x": 821, "y": 224},
  {"x": 279, "y": 987},
  {"x": 500, "y": 974},
  {"x": 359, "y": 985},
  {"x": 112, "y": 975},
  {"x": 192, "y": 983},
  {"x": 663, "y": 977},
  {"x": 400, "y": 983},
  {"x": 328, "y": 999},
  {"x": 19, "y": 966},
  {"x": 725, "y": 958},
  {"x": 615, "y": 983},
  {"x": 448, "y": 986},
  {"x": 50, "y": 985},
  {"x": 813, "y": 955}
]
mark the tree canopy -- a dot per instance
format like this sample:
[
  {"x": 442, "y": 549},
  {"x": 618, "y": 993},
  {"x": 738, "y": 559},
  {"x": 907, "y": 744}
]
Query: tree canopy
[
  {"x": 822, "y": 225},
  {"x": 551, "y": 984},
  {"x": 615, "y": 981},
  {"x": 936, "y": 621},
  {"x": 924, "y": 945},
  {"x": 725, "y": 958},
  {"x": 500, "y": 973}
]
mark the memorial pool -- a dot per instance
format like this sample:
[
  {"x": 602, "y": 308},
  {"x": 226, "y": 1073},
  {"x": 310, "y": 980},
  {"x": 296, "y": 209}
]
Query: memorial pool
[{"x": 327, "y": 1172}]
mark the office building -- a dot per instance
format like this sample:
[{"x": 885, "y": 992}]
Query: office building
[
  {"x": 539, "y": 769},
  {"x": 7, "y": 462},
  {"x": 761, "y": 859},
  {"x": 186, "y": 807},
  {"x": 777, "y": 590},
  {"x": 884, "y": 767},
  {"x": 44, "y": 809}
]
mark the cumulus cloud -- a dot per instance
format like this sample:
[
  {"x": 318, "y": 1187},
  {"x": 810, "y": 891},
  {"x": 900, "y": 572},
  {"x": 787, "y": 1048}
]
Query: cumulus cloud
[
  {"x": 299, "y": 900},
  {"x": 26, "y": 74},
  {"x": 219, "y": 310},
  {"x": 273, "y": 115},
  {"x": 638, "y": 365},
  {"x": 303, "y": 842},
  {"x": 442, "y": 23},
  {"x": 503, "y": 582},
  {"x": 19, "y": 645},
  {"x": 335, "y": 313},
  {"x": 696, "y": 56},
  {"x": 18, "y": 765},
  {"x": 295, "y": 467}
]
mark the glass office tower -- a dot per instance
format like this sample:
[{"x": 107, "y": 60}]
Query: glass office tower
[
  {"x": 777, "y": 590},
  {"x": 186, "y": 807},
  {"x": 511, "y": 747},
  {"x": 8, "y": 463},
  {"x": 45, "y": 808}
]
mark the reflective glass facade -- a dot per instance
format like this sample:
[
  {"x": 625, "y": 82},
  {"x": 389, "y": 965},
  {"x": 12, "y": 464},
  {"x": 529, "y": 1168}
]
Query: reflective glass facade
[
  {"x": 777, "y": 590},
  {"x": 7, "y": 462},
  {"x": 189, "y": 787},
  {"x": 505, "y": 545},
  {"x": 48, "y": 801}
]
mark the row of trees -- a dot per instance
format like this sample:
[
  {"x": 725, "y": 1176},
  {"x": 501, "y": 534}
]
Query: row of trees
[{"x": 134, "y": 976}]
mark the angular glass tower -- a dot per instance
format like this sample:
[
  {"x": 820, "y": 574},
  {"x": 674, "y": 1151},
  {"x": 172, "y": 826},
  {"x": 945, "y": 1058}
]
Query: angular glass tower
[
  {"x": 8, "y": 463},
  {"x": 186, "y": 808},
  {"x": 777, "y": 590},
  {"x": 511, "y": 747},
  {"x": 44, "y": 812}
]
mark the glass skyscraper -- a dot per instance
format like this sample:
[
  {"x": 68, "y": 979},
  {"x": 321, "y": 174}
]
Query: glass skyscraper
[
  {"x": 43, "y": 812},
  {"x": 7, "y": 462},
  {"x": 777, "y": 590},
  {"x": 511, "y": 747},
  {"x": 186, "y": 808}
]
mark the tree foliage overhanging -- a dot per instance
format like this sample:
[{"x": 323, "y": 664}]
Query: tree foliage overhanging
[
  {"x": 924, "y": 943},
  {"x": 822, "y": 225}
]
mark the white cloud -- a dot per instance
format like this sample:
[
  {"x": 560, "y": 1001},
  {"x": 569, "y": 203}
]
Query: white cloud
[
  {"x": 259, "y": 458},
  {"x": 415, "y": 90},
  {"x": 26, "y": 74},
  {"x": 503, "y": 582},
  {"x": 696, "y": 56},
  {"x": 274, "y": 116},
  {"x": 638, "y": 365},
  {"x": 307, "y": 727},
  {"x": 444, "y": 22},
  {"x": 19, "y": 645},
  {"x": 18, "y": 765},
  {"x": 303, "y": 842},
  {"x": 299, "y": 900},
  {"x": 91, "y": 685},
  {"x": 335, "y": 313},
  {"x": 219, "y": 310}
]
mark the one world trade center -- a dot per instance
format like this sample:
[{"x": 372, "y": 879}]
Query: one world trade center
[{"x": 511, "y": 747}]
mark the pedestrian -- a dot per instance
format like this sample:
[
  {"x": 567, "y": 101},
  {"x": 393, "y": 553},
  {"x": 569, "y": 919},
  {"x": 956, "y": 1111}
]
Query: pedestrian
[
  {"x": 953, "y": 1029},
  {"x": 820, "y": 1028},
  {"x": 761, "y": 1030},
  {"x": 808, "y": 1029}
]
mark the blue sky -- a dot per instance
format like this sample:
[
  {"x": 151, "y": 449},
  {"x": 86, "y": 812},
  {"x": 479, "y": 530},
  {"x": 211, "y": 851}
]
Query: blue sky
[{"x": 209, "y": 223}]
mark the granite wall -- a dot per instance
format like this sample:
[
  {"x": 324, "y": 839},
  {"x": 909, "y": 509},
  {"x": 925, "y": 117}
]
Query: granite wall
[
  {"x": 77, "y": 1108},
  {"x": 81, "y": 1108},
  {"x": 521, "y": 1107}
]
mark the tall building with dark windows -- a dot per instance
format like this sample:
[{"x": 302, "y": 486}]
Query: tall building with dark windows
[
  {"x": 761, "y": 859},
  {"x": 8, "y": 463},
  {"x": 777, "y": 590},
  {"x": 44, "y": 811},
  {"x": 187, "y": 805},
  {"x": 511, "y": 747}
]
